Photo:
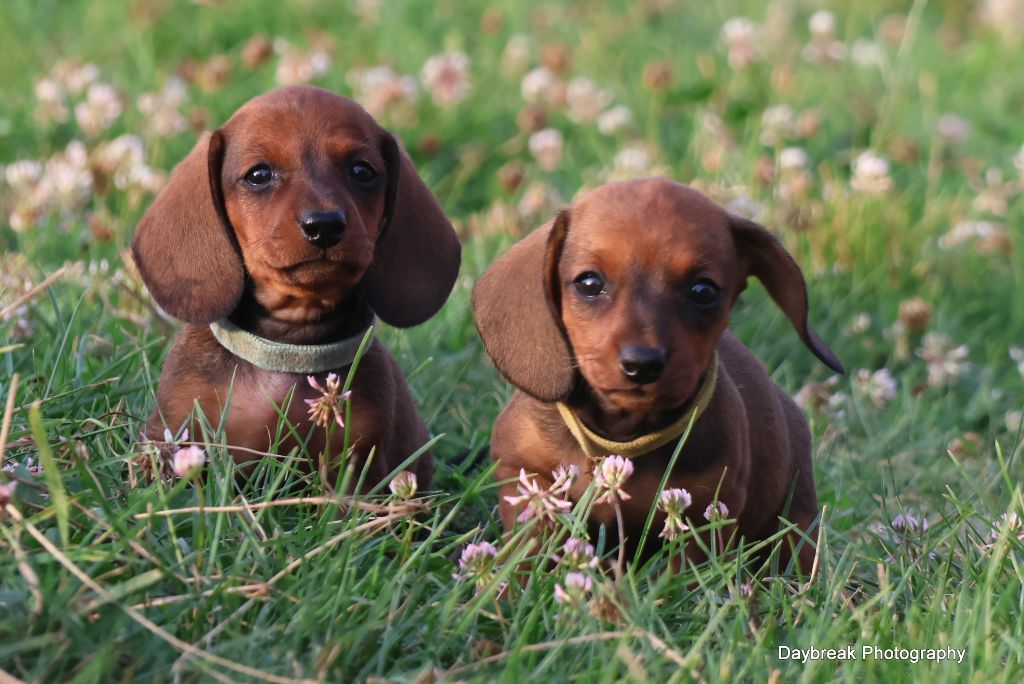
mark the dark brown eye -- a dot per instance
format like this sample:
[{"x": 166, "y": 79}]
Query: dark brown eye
[
  {"x": 588, "y": 285},
  {"x": 362, "y": 172},
  {"x": 259, "y": 175},
  {"x": 704, "y": 293}
]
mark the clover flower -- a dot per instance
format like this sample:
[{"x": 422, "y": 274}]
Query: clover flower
[
  {"x": 915, "y": 314},
  {"x": 879, "y": 386},
  {"x": 564, "y": 475},
  {"x": 477, "y": 563},
  {"x": 1012, "y": 523},
  {"x": 404, "y": 485},
  {"x": 7, "y": 492},
  {"x": 380, "y": 88},
  {"x": 329, "y": 404},
  {"x": 715, "y": 511},
  {"x": 99, "y": 110},
  {"x": 945, "y": 362},
  {"x": 541, "y": 85},
  {"x": 823, "y": 46},
  {"x": 778, "y": 123},
  {"x": 515, "y": 58},
  {"x": 908, "y": 523},
  {"x": 546, "y": 147},
  {"x": 446, "y": 77},
  {"x": 674, "y": 503},
  {"x": 738, "y": 34},
  {"x": 574, "y": 593},
  {"x": 611, "y": 475},
  {"x": 537, "y": 502},
  {"x": 161, "y": 109},
  {"x": 577, "y": 554},
  {"x": 585, "y": 100},
  {"x": 614, "y": 120},
  {"x": 296, "y": 67},
  {"x": 188, "y": 461},
  {"x": 871, "y": 174}
]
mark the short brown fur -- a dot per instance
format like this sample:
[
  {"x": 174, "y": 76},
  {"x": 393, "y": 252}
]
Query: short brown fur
[
  {"x": 649, "y": 241},
  {"x": 213, "y": 246}
]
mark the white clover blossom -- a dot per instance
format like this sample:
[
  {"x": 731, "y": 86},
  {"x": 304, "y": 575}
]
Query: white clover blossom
[
  {"x": 1017, "y": 355},
  {"x": 329, "y": 405},
  {"x": 793, "y": 159},
  {"x": 635, "y": 160},
  {"x": 614, "y": 120},
  {"x": 610, "y": 478},
  {"x": 540, "y": 85},
  {"x": 946, "y": 362},
  {"x": 577, "y": 587},
  {"x": 7, "y": 492},
  {"x": 823, "y": 46},
  {"x": 538, "y": 198},
  {"x": 404, "y": 485},
  {"x": 674, "y": 503},
  {"x": 516, "y": 55},
  {"x": 564, "y": 477},
  {"x": 161, "y": 108},
  {"x": 23, "y": 174},
  {"x": 738, "y": 34},
  {"x": 972, "y": 231},
  {"x": 76, "y": 77},
  {"x": 867, "y": 53},
  {"x": 296, "y": 67},
  {"x": 953, "y": 128},
  {"x": 50, "y": 101},
  {"x": 100, "y": 109},
  {"x": 188, "y": 461},
  {"x": 1011, "y": 523},
  {"x": 546, "y": 147},
  {"x": 871, "y": 174},
  {"x": 381, "y": 88},
  {"x": 536, "y": 501},
  {"x": 577, "y": 554},
  {"x": 716, "y": 510},
  {"x": 477, "y": 563},
  {"x": 585, "y": 100},
  {"x": 879, "y": 386},
  {"x": 908, "y": 523},
  {"x": 822, "y": 24},
  {"x": 778, "y": 123},
  {"x": 446, "y": 77}
]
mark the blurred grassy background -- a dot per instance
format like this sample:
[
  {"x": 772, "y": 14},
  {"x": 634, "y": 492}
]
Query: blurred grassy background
[{"x": 911, "y": 253}]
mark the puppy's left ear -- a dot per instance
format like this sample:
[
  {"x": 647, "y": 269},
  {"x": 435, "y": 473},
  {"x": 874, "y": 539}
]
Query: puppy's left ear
[
  {"x": 765, "y": 257},
  {"x": 417, "y": 256}
]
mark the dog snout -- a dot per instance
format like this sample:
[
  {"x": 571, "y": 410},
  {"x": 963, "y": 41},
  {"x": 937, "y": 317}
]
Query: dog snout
[
  {"x": 323, "y": 228},
  {"x": 642, "y": 365}
]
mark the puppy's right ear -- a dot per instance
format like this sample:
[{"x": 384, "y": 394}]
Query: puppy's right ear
[
  {"x": 516, "y": 308},
  {"x": 184, "y": 247}
]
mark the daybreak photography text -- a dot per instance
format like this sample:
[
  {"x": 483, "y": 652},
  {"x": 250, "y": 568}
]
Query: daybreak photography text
[{"x": 867, "y": 652}]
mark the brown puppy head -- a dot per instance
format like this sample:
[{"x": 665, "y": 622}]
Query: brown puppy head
[
  {"x": 631, "y": 289},
  {"x": 302, "y": 195}
]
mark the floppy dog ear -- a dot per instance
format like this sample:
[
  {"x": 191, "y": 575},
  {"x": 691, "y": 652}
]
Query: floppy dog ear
[
  {"x": 516, "y": 308},
  {"x": 766, "y": 258},
  {"x": 417, "y": 256},
  {"x": 184, "y": 247}
]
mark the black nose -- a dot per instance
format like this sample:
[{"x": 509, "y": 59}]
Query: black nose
[
  {"x": 642, "y": 365},
  {"x": 323, "y": 228}
]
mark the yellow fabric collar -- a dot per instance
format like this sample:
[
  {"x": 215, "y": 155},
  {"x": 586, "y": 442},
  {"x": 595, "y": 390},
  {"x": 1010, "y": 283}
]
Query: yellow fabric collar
[{"x": 595, "y": 445}]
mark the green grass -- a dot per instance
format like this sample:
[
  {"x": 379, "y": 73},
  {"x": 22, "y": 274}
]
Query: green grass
[{"x": 92, "y": 590}]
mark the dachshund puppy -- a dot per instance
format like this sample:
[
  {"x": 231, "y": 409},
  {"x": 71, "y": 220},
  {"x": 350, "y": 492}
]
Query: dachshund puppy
[
  {"x": 610, "y": 321},
  {"x": 278, "y": 240}
]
